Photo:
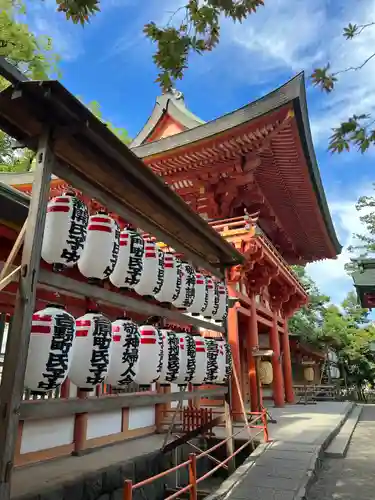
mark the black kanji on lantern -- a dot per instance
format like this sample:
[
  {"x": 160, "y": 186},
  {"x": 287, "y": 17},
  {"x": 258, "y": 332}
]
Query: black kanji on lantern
[
  {"x": 57, "y": 363},
  {"x": 191, "y": 357},
  {"x": 205, "y": 302},
  {"x": 115, "y": 251},
  {"x": 135, "y": 267},
  {"x": 228, "y": 362},
  {"x": 130, "y": 353},
  {"x": 161, "y": 353},
  {"x": 77, "y": 232},
  {"x": 160, "y": 275},
  {"x": 173, "y": 357},
  {"x": 212, "y": 351},
  {"x": 215, "y": 307},
  {"x": 178, "y": 280},
  {"x": 102, "y": 336},
  {"x": 190, "y": 285}
]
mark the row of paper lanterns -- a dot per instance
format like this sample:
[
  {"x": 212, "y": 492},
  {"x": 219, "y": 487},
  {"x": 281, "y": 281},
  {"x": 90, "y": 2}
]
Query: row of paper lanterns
[
  {"x": 91, "y": 350},
  {"x": 101, "y": 251}
]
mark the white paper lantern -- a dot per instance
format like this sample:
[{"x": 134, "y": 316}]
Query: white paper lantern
[
  {"x": 201, "y": 295},
  {"x": 50, "y": 349},
  {"x": 101, "y": 248},
  {"x": 220, "y": 311},
  {"x": 124, "y": 353},
  {"x": 171, "y": 358},
  {"x": 128, "y": 268},
  {"x": 187, "y": 294},
  {"x": 90, "y": 358},
  {"x": 221, "y": 362},
  {"x": 201, "y": 361},
  {"x": 65, "y": 231},
  {"x": 187, "y": 358},
  {"x": 207, "y": 311},
  {"x": 152, "y": 276},
  {"x": 212, "y": 350},
  {"x": 171, "y": 287},
  {"x": 151, "y": 355}
]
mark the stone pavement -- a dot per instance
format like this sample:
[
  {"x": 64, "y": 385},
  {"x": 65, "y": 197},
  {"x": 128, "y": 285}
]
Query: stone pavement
[
  {"x": 350, "y": 478},
  {"x": 282, "y": 469}
]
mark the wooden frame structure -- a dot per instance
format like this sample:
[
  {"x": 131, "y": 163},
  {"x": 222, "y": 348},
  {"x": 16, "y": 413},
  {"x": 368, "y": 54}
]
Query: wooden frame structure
[{"x": 72, "y": 143}]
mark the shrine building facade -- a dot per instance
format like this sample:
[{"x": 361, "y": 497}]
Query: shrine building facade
[{"x": 252, "y": 174}]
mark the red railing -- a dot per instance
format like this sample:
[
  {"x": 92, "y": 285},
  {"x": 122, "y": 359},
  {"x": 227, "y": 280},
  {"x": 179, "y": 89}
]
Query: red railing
[{"x": 129, "y": 487}]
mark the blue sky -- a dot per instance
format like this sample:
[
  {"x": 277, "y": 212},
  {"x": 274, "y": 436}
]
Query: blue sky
[{"x": 110, "y": 61}]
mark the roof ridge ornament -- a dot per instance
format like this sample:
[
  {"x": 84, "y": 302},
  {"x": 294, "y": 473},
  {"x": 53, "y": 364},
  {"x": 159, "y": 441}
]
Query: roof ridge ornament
[{"x": 177, "y": 94}]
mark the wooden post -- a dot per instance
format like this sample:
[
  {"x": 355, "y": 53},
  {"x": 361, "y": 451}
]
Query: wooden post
[
  {"x": 253, "y": 343},
  {"x": 233, "y": 339},
  {"x": 193, "y": 494},
  {"x": 277, "y": 384},
  {"x": 287, "y": 365},
  {"x": 229, "y": 431},
  {"x": 18, "y": 341}
]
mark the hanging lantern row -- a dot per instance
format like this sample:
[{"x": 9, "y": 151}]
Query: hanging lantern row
[
  {"x": 101, "y": 251},
  {"x": 91, "y": 350}
]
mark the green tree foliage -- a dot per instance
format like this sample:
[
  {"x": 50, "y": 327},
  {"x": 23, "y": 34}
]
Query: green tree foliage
[
  {"x": 364, "y": 243},
  {"x": 358, "y": 130},
  {"x": 121, "y": 133},
  {"x": 35, "y": 57},
  {"x": 307, "y": 322},
  {"x": 194, "y": 27}
]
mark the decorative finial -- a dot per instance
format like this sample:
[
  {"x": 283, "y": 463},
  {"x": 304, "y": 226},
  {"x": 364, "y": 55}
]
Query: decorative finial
[{"x": 177, "y": 94}]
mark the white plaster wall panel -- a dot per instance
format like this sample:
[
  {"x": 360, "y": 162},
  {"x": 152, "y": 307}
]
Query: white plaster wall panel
[
  {"x": 72, "y": 390},
  {"x": 103, "y": 424},
  {"x": 141, "y": 417},
  {"x": 44, "y": 434},
  {"x": 267, "y": 393}
]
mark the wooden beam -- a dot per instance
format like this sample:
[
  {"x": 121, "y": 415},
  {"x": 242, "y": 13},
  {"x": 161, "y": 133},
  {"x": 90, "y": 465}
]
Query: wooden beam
[
  {"x": 73, "y": 287},
  {"x": 12, "y": 276},
  {"x": 12, "y": 380},
  {"x": 194, "y": 433},
  {"x": 57, "y": 408},
  {"x": 13, "y": 254}
]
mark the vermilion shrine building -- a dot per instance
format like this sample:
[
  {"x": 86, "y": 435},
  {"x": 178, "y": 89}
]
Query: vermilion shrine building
[{"x": 253, "y": 174}]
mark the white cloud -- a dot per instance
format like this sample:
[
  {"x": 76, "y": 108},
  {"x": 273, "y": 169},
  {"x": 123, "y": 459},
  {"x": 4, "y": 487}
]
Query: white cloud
[
  {"x": 330, "y": 275},
  {"x": 287, "y": 36},
  {"x": 43, "y": 20}
]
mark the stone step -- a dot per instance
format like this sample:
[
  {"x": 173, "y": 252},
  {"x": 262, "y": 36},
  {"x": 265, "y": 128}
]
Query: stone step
[{"x": 339, "y": 445}]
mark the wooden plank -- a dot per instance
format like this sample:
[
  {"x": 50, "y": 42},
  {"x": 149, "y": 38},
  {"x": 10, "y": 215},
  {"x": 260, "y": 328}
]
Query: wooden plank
[
  {"x": 68, "y": 285},
  {"x": 137, "y": 219},
  {"x": 12, "y": 276},
  {"x": 16, "y": 248},
  {"x": 18, "y": 341},
  {"x": 194, "y": 433},
  {"x": 55, "y": 408}
]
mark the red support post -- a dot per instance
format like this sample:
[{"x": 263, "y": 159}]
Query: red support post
[
  {"x": 252, "y": 344},
  {"x": 128, "y": 489},
  {"x": 192, "y": 477},
  {"x": 277, "y": 384},
  {"x": 287, "y": 365},
  {"x": 233, "y": 339}
]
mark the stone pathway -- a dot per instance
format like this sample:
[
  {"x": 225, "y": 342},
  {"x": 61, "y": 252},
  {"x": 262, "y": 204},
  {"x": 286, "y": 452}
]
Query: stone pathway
[
  {"x": 350, "y": 478},
  {"x": 282, "y": 469}
]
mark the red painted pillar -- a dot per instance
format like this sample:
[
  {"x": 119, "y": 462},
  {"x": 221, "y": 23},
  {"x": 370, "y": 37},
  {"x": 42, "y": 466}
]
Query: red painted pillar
[
  {"x": 233, "y": 340},
  {"x": 277, "y": 384},
  {"x": 287, "y": 365},
  {"x": 253, "y": 344}
]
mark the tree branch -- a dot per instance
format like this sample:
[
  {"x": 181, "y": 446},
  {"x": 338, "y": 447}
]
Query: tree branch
[{"x": 355, "y": 68}]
